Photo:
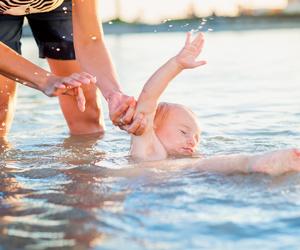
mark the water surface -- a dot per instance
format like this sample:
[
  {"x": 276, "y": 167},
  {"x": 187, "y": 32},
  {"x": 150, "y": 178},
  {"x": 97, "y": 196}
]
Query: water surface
[{"x": 61, "y": 192}]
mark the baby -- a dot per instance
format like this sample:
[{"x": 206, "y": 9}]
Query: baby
[{"x": 172, "y": 129}]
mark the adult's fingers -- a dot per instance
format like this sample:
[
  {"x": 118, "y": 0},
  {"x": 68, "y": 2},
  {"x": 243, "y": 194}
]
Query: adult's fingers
[
  {"x": 116, "y": 115},
  {"x": 83, "y": 78},
  {"x": 137, "y": 127},
  {"x": 141, "y": 129},
  {"x": 133, "y": 127},
  {"x": 93, "y": 79},
  {"x": 71, "y": 81},
  {"x": 127, "y": 118}
]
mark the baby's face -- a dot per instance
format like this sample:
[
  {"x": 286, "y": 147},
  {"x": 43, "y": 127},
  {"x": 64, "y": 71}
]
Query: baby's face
[{"x": 179, "y": 132}]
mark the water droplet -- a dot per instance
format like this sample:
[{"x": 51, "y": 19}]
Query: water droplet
[
  {"x": 170, "y": 26},
  {"x": 204, "y": 20},
  {"x": 63, "y": 37},
  {"x": 167, "y": 20},
  {"x": 200, "y": 27},
  {"x": 110, "y": 22},
  {"x": 209, "y": 30},
  {"x": 94, "y": 38},
  {"x": 64, "y": 8},
  {"x": 36, "y": 73},
  {"x": 17, "y": 79},
  {"x": 203, "y": 23},
  {"x": 65, "y": 12},
  {"x": 57, "y": 49}
]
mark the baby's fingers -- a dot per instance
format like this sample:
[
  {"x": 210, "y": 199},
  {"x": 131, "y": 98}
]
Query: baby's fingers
[
  {"x": 199, "y": 63},
  {"x": 80, "y": 98},
  {"x": 198, "y": 40},
  {"x": 188, "y": 38}
]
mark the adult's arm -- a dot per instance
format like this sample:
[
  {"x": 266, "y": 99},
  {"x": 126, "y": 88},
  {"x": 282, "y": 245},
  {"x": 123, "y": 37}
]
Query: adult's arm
[
  {"x": 94, "y": 57},
  {"x": 19, "y": 69}
]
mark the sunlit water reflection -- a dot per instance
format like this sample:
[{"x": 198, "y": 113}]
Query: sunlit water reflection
[{"x": 63, "y": 192}]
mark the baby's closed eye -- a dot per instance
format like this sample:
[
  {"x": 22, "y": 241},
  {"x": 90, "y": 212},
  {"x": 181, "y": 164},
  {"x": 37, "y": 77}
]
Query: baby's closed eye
[{"x": 182, "y": 131}]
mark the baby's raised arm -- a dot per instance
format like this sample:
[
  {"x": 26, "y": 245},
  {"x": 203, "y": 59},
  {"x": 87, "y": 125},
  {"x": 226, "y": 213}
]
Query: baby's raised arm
[
  {"x": 147, "y": 146},
  {"x": 157, "y": 83}
]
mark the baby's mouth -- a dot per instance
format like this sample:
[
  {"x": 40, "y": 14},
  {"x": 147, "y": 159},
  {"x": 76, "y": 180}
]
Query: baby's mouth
[{"x": 188, "y": 150}]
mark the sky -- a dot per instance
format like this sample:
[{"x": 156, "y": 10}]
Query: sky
[{"x": 153, "y": 11}]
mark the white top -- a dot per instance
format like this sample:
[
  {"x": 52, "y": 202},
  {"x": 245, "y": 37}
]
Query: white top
[{"x": 24, "y": 7}]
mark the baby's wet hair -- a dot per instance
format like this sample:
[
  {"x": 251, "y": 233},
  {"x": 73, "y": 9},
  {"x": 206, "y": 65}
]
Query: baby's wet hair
[{"x": 162, "y": 112}]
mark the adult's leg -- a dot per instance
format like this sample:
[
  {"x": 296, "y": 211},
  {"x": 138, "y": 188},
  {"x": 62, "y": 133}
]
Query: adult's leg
[
  {"x": 10, "y": 34},
  {"x": 7, "y": 104},
  {"x": 53, "y": 33},
  {"x": 87, "y": 122}
]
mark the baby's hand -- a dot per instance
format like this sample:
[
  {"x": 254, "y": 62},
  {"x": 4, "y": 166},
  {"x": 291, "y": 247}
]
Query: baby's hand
[
  {"x": 277, "y": 162},
  {"x": 191, "y": 50}
]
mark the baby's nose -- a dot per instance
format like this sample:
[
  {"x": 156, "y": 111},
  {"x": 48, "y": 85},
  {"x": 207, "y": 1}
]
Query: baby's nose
[{"x": 192, "y": 141}]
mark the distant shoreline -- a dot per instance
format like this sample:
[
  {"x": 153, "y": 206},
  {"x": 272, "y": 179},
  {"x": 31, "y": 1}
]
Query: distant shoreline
[{"x": 213, "y": 23}]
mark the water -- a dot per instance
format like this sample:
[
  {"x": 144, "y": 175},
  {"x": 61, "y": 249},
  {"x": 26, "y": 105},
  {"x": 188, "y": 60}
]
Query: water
[{"x": 59, "y": 192}]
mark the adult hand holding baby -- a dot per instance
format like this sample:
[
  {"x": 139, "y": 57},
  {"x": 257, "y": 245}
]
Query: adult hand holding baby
[{"x": 70, "y": 85}]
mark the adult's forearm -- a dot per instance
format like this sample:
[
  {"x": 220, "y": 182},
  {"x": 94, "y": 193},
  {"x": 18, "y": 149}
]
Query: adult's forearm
[
  {"x": 91, "y": 51},
  {"x": 95, "y": 59},
  {"x": 17, "y": 68}
]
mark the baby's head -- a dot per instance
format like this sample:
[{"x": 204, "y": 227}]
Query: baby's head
[{"x": 176, "y": 127}]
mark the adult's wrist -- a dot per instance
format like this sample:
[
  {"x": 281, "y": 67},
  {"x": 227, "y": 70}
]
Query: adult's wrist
[
  {"x": 109, "y": 95},
  {"x": 46, "y": 84}
]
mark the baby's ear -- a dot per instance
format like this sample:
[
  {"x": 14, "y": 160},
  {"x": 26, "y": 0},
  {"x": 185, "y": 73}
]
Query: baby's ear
[{"x": 297, "y": 152}]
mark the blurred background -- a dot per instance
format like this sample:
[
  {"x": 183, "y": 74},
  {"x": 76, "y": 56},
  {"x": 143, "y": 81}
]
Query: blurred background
[
  {"x": 156, "y": 11},
  {"x": 131, "y": 16}
]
